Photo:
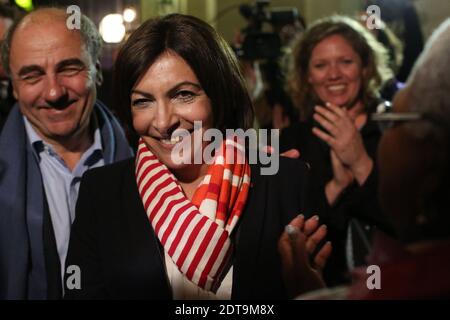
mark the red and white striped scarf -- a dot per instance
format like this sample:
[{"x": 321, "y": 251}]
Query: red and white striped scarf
[{"x": 196, "y": 234}]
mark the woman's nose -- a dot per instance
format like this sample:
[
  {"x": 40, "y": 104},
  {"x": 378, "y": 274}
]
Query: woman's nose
[
  {"x": 165, "y": 120},
  {"x": 334, "y": 72}
]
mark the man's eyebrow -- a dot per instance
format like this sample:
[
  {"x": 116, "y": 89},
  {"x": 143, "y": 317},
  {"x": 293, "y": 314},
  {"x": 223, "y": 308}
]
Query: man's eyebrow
[
  {"x": 28, "y": 69},
  {"x": 70, "y": 62}
]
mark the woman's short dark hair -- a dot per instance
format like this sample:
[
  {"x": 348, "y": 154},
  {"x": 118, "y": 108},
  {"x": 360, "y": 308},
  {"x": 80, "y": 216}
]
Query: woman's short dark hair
[
  {"x": 203, "y": 49},
  {"x": 373, "y": 55}
]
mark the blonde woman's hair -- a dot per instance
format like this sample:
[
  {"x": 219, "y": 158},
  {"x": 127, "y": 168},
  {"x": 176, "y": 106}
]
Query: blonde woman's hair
[{"x": 373, "y": 55}]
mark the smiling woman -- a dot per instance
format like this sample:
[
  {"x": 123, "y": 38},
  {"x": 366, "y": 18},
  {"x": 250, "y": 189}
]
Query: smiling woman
[
  {"x": 165, "y": 229},
  {"x": 338, "y": 70},
  {"x": 167, "y": 99}
]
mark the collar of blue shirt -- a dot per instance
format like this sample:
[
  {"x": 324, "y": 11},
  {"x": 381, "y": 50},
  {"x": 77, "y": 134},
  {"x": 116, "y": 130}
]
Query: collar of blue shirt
[{"x": 89, "y": 159}]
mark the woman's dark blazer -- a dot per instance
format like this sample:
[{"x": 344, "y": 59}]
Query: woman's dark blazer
[{"x": 120, "y": 257}]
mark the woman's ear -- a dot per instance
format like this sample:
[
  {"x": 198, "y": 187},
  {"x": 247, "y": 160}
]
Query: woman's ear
[
  {"x": 308, "y": 77},
  {"x": 365, "y": 73}
]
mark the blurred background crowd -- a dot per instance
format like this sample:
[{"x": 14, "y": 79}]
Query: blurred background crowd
[{"x": 272, "y": 26}]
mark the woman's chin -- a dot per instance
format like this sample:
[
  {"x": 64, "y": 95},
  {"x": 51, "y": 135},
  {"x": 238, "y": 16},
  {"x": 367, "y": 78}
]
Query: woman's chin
[{"x": 339, "y": 102}]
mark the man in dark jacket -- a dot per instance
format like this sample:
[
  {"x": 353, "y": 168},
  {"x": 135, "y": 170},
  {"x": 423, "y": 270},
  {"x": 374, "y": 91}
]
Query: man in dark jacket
[{"x": 55, "y": 132}]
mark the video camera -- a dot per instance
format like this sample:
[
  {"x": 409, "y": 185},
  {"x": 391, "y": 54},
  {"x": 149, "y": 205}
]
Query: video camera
[{"x": 257, "y": 43}]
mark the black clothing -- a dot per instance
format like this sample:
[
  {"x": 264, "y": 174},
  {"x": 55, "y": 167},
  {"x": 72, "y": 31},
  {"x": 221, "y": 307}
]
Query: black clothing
[
  {"x": 114, "y": 244},
  {"x": 355, "y": 202}
]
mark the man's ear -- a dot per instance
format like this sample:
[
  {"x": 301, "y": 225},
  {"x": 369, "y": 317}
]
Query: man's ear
[
  {"x": 99, "y": 75},
  {"x": 14, "y": 92}
]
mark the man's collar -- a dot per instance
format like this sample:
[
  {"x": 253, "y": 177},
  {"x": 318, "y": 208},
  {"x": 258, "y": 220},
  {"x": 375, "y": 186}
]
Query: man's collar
[
  {"x": 38, "y": 143},
  {"x": 35, "y": 140}
]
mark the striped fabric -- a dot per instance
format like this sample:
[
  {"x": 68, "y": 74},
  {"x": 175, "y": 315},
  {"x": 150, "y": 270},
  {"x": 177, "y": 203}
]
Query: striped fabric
[{"x": 196, "y": 234}]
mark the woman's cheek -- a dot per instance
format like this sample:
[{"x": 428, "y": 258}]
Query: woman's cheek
[{"x": 140, "y": 123}]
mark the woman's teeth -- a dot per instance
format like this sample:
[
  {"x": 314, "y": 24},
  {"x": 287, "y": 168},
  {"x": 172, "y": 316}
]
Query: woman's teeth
[
  {"x": 336, "y": 88},
  {"x": 173, "y": 140}
]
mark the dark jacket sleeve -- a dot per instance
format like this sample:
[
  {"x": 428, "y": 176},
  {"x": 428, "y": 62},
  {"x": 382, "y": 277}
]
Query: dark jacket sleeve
[
  {"x": 293, "y": 185},
  {"x": 83, "y": 249},
  {"x": 274, "y": 200},
  {"x": 366, "y": 205},
  {"x": 291, "y": 137},
  {"x": 355, "y": 202}
]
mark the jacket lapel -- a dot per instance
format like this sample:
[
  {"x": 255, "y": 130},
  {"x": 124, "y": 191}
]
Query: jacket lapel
[
  {"x": 249, "y": 237},
  {"x": 13, "y": 168},
  {"x": 143, "y": 233}
]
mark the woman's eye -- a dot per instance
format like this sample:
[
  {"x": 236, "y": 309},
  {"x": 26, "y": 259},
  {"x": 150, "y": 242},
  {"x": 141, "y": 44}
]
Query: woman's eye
[
  {"x": 140, "y": 102},
  {"x": 185, "y": 95},
  {"x": 347, "y": 61},
  {"x": 319, "y": 66}
]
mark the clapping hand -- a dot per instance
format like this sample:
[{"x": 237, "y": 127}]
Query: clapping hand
[
  {"x": 343, "y": 136},
  {"x": 348, "y": 155},
  {"x": 296, "y": 245}
]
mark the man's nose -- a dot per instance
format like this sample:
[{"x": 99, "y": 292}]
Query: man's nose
[{"x": 55, "y": 92}]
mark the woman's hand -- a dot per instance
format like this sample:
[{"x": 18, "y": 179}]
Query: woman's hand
[
  {"x": 291, "y": 153},
  {"x": 297, "y": 243},
  {"x": 342, "y": 178},
  {"x": 345, "y": 140}
]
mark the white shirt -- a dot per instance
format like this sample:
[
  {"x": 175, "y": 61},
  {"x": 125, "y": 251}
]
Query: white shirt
[{"x": 184, "y": 289}]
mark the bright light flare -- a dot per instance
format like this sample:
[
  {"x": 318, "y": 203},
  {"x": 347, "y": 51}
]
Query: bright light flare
[
  {"x": 112, "y": 28},
  {"x": 129, "y": 14}
]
